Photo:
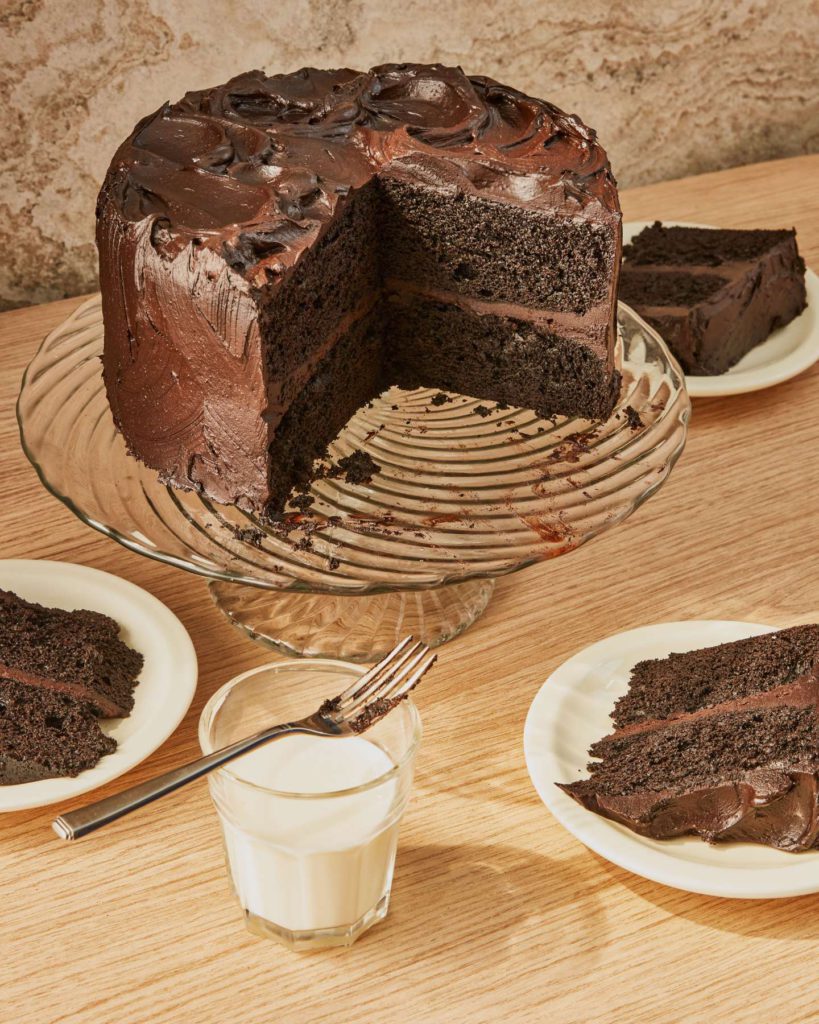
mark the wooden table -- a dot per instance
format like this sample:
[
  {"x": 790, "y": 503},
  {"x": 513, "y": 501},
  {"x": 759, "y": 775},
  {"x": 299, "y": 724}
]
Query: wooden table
[{"x": 497, "y": 913}]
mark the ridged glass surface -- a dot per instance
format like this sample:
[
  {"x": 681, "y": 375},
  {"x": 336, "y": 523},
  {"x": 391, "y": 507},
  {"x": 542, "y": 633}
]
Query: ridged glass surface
[{"x": 459, "y": 495}]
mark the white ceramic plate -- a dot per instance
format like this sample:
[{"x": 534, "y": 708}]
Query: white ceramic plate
[
  {"x": 787, "y": 352},
  {"x": 166, "y": 685},
  {"x": 572, "y": 710}
]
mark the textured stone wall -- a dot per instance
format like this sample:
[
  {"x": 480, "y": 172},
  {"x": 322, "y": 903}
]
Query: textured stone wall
[{"x": 674, "y": 87}]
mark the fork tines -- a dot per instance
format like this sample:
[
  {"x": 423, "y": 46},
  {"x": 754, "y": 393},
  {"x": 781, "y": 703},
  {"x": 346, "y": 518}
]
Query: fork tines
[{"x": 386, "y": 683}]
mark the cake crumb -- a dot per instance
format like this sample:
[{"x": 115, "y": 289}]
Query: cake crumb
[
  {"x": 249, "y": 535},
  {"x": 358, "y": 468},
  {"x": 482, "y": 410},
  {"x": 440, "y": 399},
  {"x": 633, "y": 418},
  {"x": 302, "y": 502}
]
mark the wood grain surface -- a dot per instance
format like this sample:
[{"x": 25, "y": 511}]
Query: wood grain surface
[{"x": 498, "y": 914}]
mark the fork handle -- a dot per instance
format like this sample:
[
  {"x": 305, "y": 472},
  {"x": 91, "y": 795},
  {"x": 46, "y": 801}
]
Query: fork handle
[{"x": 87, "y": 819}]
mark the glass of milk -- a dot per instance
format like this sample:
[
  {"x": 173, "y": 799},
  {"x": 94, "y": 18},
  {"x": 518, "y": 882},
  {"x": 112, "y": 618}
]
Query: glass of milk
[{"x": 310, "y": 824}]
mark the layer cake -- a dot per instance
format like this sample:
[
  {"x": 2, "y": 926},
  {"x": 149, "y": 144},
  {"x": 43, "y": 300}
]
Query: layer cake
[
  {"x": 276, "y": 251},
  {"x": 60, "y": 671}
]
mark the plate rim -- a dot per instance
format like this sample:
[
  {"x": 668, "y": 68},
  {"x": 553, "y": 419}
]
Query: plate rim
[
  {"x": 743, "y": 382},
  {"x": 32, "y": 795},
  {"x": 617, "y": 844}
]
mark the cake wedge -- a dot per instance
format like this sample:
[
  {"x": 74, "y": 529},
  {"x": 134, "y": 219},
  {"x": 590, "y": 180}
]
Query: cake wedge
[
  {"x": 76, "y": 653},
  {"x": 60, "y": 672},
  {"x": 713, "y": 294},
  {"x": 722, "y": 743}
]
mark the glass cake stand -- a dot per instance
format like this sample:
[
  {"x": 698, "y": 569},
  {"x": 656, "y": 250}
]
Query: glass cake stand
[{"x": 467, "y": 491}]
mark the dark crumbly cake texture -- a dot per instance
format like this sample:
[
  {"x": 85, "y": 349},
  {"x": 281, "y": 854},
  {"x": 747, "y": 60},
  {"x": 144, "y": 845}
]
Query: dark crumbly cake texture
[
  {"x": 46, "y": 734},
  {"x": 721, "y": 742},
  {"x": 77, "y": 653},
  {"x": 60, "y": 672},
  {"x": 277, "y": 251},
  {"x": 682, "y": 683},
  {"x": 713, "y": 294}
]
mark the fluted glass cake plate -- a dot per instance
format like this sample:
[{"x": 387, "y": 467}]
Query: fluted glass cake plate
[{"x": 466, "y": 491}]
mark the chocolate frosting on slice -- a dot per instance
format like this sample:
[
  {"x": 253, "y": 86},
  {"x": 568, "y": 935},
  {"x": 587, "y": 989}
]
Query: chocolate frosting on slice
[{"x": 774, "y": 807}]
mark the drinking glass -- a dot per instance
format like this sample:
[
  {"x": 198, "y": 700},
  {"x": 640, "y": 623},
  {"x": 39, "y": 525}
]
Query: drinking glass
[{"x": 310, "y": 824}]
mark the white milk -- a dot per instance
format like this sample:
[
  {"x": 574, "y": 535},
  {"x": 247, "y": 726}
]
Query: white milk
[{"x": 313, "y": 863}]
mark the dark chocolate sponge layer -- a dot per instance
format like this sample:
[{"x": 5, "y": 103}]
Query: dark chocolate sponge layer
[
  {"x": 45, "y": 734},
  {"x": 713, "y": 294}
]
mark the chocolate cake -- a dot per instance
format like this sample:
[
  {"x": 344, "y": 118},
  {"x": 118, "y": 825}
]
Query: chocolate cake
[
  {"x": 75, "y": 653},
  {"x": 722, "y": 743},
  {"x": 713, "y": 294},
  {"x": 44, "y": 734},
  {"x": 276, "y": 251},
  {"x": 59, "y": 672}
]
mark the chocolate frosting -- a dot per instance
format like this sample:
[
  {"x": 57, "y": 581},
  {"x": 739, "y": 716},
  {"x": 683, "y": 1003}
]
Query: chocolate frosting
[
  {"x": 777, "y": 805},
  {"x": 213, "y": 199},
  {"x": 255, "y": 168}
]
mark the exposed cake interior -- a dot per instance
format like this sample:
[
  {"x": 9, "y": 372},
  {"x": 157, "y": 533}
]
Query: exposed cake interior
[
  {"x": 709, "y": 751},
  {"x": 349, "y": 375},
  {"x": 77, "y": 653},
  {"x": 685, "y": 682},
  {"x": 497, "y": 358},
  {"x": 401, "y": 291},
  {"x": 491, "y": 251},
  {"x": 45, "y": 734}
]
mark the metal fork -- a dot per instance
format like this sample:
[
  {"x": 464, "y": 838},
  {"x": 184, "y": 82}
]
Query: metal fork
[{"x": 361, "y": 705}]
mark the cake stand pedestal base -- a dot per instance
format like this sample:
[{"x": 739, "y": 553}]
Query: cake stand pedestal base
[{"x": 359, "y": 629}]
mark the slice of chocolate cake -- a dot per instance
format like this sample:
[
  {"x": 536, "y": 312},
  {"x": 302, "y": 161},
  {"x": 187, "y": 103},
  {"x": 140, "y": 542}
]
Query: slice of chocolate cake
[
  {"x": 76, "y": 653},
  {"x": 713, "y": 294},
  {"x": 722, "y": 743},
  {"x": 44, "y": 734},
  {"x": 59, "y": 672}
]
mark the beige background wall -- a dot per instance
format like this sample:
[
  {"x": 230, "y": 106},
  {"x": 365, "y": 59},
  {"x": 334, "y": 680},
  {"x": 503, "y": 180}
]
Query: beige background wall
[{"x": 673, "y": 87}]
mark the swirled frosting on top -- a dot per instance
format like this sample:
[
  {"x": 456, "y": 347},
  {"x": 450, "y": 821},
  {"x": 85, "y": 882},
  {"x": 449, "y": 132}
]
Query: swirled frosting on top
[{"x": 254, "y": 169}]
